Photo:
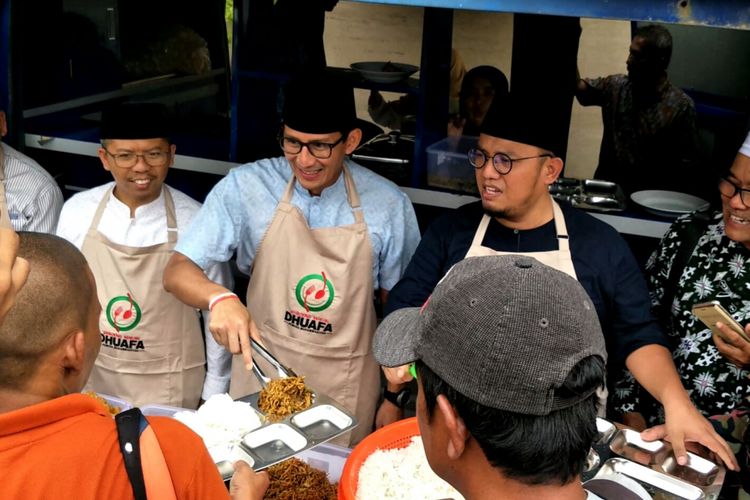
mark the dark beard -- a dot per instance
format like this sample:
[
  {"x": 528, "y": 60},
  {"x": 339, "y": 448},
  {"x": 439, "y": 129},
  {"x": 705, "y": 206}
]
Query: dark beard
[{"x": 496, "y": 214}]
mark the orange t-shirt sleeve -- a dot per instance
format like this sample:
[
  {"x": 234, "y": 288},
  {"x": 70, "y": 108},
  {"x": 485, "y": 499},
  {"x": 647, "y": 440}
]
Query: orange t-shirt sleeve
[{"x": 194, "y": 474}]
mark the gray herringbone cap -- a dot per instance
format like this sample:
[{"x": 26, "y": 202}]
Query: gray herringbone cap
[{"x": 504, "y": 331}]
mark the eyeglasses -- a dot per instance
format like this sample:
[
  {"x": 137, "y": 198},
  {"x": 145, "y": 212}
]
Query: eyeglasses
[
  {"x": 320, "y": 150},
  {"x": 152, "y": 158},
  {"x": 730, "y": 189},
  {"x": 501, "y": 162}
]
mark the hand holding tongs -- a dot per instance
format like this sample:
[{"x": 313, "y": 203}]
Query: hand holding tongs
[{"x": 282, "y": 370}]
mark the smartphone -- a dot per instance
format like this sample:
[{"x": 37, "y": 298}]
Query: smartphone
[{"x": 711, "y": 312}]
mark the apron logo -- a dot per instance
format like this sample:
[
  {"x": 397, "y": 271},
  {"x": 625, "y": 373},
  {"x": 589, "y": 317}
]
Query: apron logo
[
  {"x": 122, "y": 342},
  {"x": 123, "y": 313},
  {"x": 308, "y": 322},
  {"x": 314, "y": 292}
]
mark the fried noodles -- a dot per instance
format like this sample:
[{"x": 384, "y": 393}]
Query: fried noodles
[
  {"x": 293, "y": 479},
  {"x": 284, "y": 396}
]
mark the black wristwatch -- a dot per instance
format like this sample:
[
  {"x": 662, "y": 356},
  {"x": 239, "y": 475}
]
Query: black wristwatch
[{"x": 399, "y": 398}]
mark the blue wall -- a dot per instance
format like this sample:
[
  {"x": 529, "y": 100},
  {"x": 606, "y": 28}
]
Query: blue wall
[{"x": 720, "y": 13}]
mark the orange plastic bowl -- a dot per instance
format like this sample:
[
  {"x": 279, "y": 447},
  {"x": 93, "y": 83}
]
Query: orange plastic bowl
[{"x": 395, "y": 435}]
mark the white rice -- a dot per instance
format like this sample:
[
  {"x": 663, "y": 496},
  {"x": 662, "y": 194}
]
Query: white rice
[
  {"x": 221, "y": 423},
  {"x": 402, "y": 474}
]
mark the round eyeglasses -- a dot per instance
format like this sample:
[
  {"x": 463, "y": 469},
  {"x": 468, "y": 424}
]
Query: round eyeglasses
[
  {"x": 129, "y": 159},
  {"x": 730, "y": 189},
  {"x": 501, "y": 162},
  {"x": 320, "y": 150}
]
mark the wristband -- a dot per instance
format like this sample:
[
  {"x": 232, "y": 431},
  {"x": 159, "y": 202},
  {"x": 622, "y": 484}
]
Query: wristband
[
  {"x": 399, "y": 399},
  {"x": 220, "y": 297}
]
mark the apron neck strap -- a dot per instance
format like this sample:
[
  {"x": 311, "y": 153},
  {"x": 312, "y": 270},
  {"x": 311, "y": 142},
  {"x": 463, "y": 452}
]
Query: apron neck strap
[
  {"x": 287, "y": 196},
  {"x": 171, "y": 215},
  {"x": 351, "y": 192},
  {"x": 168, "y": 204},
  {"x": 353, "y": 196},
  {"x": 481, "y": 231},
  {"x": 100, "y": 209},
  {"x": 560, "y": 228}
]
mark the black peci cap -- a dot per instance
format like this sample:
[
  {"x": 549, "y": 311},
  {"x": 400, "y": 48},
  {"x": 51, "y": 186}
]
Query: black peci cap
[
  {"x": 136, "y": 121},
  {"x": 319, "y": 102},
  {"x": 519, "y": 120}
]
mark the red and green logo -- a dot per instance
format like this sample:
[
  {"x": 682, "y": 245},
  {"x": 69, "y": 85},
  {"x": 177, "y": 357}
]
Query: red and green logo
[
  {"x": 314, "y": 292},
  {"x": 123, "y": 313}
]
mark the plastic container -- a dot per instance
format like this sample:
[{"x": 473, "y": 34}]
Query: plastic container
[
  {"x": 115, "y": 402},
  {"x": 448, "y": 165},
  {"x": 329, "y": 458},
  {"x": 396, "y": 435},
  {"x": 161, "y": 410}
]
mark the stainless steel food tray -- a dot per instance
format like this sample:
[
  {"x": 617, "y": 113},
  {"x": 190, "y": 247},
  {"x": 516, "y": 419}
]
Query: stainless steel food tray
[
  {"x": 276, "y": 441},
  {"x": 590, "y": 194},
  {"x": 653, "y": 465}
]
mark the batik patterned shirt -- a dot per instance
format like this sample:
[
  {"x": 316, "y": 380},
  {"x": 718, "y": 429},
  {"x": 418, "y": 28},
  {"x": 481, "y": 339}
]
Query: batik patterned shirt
[{"x": 717, "y": 269}]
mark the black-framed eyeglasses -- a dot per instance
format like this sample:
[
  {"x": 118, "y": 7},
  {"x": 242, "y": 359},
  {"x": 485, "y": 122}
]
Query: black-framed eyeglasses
[
  {"x": 320, "y": 150},
  {"x": 730, "y": 189},
  {"x": 129, "y": 159},
  {"x": 501, "y": 162}
]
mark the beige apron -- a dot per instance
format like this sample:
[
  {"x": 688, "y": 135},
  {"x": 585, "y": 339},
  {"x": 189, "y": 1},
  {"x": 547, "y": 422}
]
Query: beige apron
[
  {"x": 4, "y": 217},
  {"x": 152, "y": 345},
  {"x": 559, "y": 259},
  {"x": 311, "y": 296}
]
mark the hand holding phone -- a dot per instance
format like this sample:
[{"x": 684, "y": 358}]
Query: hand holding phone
[{"x": 711, "y": 312}]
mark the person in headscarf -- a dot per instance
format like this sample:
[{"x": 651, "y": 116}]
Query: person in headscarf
[{"x": 480, "y": 87}]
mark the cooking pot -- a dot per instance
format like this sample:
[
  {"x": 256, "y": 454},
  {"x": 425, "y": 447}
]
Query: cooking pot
[{"x": 389, "y": 155}]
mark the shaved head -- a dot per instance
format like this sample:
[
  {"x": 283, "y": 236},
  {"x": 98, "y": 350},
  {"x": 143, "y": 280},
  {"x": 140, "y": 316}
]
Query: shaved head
[{"x": 54, "y": 302}]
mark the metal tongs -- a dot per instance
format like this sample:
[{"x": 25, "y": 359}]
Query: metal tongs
[{"x": 283, "y": 371}]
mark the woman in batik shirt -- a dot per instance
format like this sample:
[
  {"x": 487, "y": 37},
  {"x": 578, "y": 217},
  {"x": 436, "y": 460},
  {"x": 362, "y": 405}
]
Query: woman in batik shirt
[{"x": 716, "y": 266}]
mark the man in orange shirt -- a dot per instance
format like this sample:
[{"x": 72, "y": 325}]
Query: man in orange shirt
[{"x": 56, "y": 441}]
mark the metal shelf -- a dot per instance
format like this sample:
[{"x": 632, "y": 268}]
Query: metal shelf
[{"x": 408, "y": 86}]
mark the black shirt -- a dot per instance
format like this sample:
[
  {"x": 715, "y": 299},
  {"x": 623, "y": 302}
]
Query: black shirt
[{"x": 602, "y": 260}]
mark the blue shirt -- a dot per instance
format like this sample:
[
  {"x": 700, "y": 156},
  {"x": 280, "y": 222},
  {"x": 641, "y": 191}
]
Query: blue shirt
[
  {"x": 604, "y": 265},
  {"x": 239, "y": 209}
]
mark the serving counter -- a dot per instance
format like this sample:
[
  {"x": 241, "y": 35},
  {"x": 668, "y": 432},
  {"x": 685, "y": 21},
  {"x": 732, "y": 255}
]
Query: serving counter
[{"x": 629, "y": 221}]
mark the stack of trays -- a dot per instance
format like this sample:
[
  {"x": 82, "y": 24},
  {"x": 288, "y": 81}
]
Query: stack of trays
[
  {"x": 589, "y": 194},
  {"x": 652, "y": 464}
]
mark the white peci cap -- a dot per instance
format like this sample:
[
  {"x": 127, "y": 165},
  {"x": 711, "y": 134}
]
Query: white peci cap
[{"x": 745, "y": 149}]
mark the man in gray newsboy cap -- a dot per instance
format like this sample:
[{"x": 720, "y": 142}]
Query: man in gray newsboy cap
[{"x": 509, "y": 355}]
